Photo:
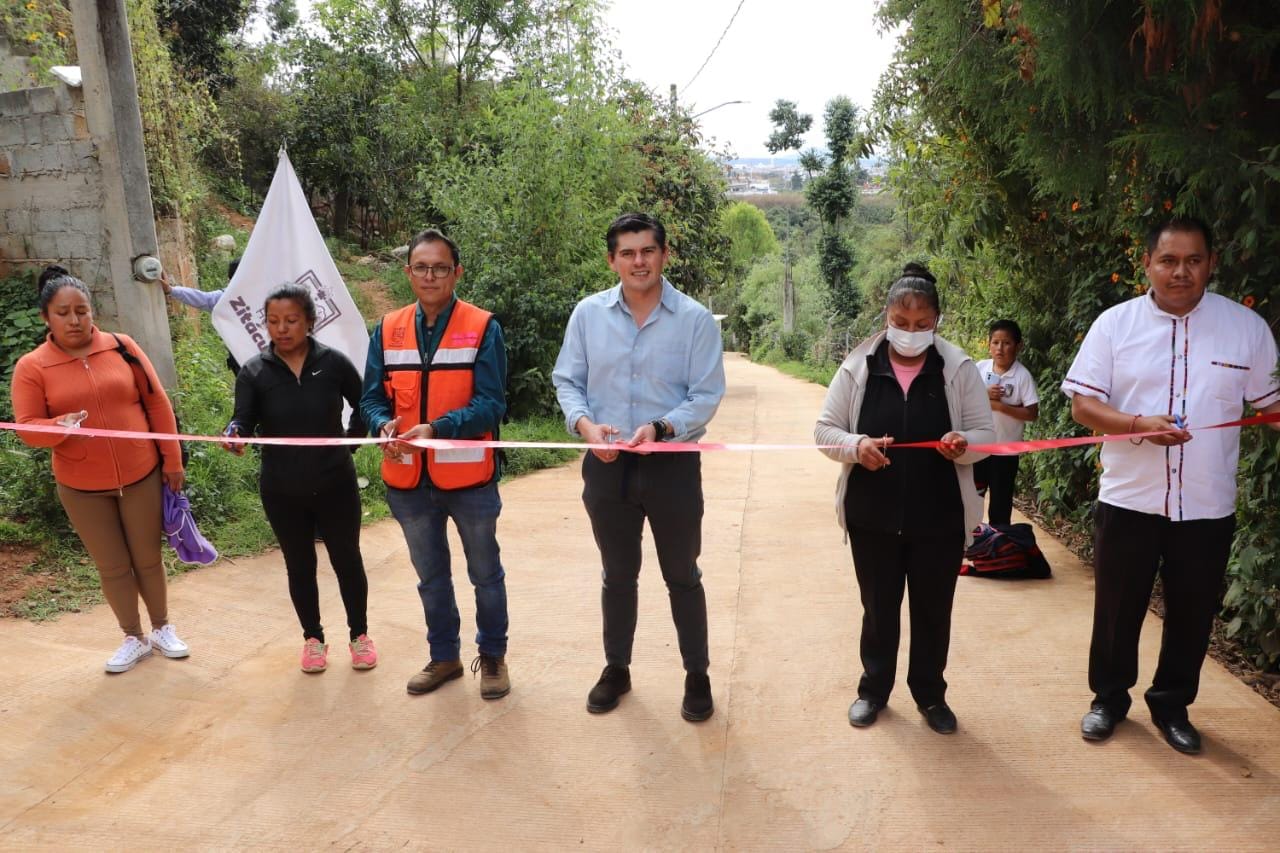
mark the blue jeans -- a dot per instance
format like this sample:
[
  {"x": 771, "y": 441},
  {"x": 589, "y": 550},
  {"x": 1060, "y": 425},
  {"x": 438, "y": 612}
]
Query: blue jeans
[{"x": 422, "y": 513}]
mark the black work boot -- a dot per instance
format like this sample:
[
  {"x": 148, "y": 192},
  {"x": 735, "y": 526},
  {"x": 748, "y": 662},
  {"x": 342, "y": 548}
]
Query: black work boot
[
  {"x": 697, "y": 705},
  {"x": 614, "y": 681}
]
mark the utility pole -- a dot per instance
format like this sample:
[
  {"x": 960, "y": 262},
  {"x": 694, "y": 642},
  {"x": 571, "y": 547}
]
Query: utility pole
[
  {"x": 788, "y": 296},
  {"x": 114, "y": 120}
]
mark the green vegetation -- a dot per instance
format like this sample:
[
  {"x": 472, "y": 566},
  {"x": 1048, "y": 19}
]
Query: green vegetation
[
  {"x": 41, "y": 28},
  {"x": 1029, "y": 165},
  {"x": 1029, "y": 144},
  {"x": 508, "y": 125},
  {"x": 20, "y": 327},
  {"x": 816, "y": 373},
  {"x": 524, "y": 460},
  {"x": 832, "y": 190},
  {"x": 1025, "y": 170}
]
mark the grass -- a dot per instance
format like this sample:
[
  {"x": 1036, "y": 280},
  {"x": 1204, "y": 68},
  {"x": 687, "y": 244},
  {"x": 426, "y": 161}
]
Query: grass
[
  {"x": 818, "y": 374},
  {"x": 521, "y": 460}
]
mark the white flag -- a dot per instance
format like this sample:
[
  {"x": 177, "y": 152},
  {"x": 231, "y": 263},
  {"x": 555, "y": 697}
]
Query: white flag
[{"x": 286, "y": 246}]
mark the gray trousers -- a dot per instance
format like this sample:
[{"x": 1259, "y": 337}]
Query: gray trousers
[{"x": 666, "y": 488}]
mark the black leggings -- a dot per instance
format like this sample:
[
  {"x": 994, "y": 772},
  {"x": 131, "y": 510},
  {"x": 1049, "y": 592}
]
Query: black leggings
[
  {"x": 1001, "y": 476},
  {"x": 334, "y": 514}
]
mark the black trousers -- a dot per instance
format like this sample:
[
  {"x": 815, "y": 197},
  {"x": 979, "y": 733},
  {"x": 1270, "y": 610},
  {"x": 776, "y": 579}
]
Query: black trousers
[
  {"x": 335, "y": 515},
  {"x": 886, "y": 564},
  {"x": 1191, "y": 559},
  {"x": 1000, "y": 473},
  {"x": 666, "y": 488}
]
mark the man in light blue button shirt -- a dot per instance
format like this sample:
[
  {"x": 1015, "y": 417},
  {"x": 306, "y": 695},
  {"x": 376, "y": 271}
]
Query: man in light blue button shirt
[{"x": 642, "y": 362}]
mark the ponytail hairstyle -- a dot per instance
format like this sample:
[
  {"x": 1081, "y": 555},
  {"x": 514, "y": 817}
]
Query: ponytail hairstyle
[
  {"x": 916, "y": 282},
  {"x": 53, "y": 279}
]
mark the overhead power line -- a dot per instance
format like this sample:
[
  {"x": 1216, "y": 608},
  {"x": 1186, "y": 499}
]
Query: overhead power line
[{"x": 732, "y": 18}]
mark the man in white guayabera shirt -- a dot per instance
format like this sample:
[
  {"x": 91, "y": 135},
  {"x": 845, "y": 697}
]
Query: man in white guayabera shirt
[{"x": 1175, "y": 358}]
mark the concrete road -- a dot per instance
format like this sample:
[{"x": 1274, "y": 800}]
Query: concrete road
[{"x": 235, "y": 748}]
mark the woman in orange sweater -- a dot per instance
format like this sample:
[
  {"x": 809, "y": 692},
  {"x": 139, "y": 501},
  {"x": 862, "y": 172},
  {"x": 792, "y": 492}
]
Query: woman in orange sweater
[{"x": 110, "y": 488}]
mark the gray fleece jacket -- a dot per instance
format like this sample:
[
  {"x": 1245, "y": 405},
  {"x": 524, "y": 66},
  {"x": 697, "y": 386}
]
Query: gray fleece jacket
[{"x": 967, "y": 403}]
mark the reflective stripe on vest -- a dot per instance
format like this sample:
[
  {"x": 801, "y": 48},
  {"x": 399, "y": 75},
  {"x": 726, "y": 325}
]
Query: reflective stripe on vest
[{"x": 450, "y": 385}]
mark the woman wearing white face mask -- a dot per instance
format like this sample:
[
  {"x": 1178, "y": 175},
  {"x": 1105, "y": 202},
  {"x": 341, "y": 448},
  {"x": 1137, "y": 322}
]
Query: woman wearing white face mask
[{"x": 908, "y": 512}]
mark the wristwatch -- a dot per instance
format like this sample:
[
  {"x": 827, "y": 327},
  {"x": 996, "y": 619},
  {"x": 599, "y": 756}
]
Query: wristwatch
[{"x": 660, "y": 431}]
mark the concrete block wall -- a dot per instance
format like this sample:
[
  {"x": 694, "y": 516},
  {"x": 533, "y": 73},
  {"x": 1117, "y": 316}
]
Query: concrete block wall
[{"x": 51, "y": 198}]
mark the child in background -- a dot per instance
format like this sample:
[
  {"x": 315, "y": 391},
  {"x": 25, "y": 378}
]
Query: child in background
[{"x": 1014, "y": 403}]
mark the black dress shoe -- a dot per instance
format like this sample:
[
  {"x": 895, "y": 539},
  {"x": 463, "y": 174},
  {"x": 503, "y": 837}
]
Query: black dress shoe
[
  {"x": 863, "y": 712},
  {"x": 614, "y": 681},
  {"x": 940, "y": 718},
  {"x": 1180, "y": 734},
  {"x": 697, "y": 705},
  {"x": 1099, "y": 723}
]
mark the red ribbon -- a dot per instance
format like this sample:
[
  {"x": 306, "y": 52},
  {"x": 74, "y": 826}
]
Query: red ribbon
[
  {"x": 1009, "y": 448},
  {"x": 1013, "y": 448}
]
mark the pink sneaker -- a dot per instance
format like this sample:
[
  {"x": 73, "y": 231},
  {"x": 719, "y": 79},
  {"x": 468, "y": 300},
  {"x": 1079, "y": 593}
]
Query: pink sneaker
[
  {"x": 363, "y": 654},
  {"x": 314, "y": 655}
]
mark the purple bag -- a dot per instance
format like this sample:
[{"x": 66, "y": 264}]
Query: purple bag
[{"x": 180, "y": 527}]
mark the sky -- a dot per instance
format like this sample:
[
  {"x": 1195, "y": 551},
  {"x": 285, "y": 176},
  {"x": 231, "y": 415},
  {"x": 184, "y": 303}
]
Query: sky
[{"x": 807, "y": 51}]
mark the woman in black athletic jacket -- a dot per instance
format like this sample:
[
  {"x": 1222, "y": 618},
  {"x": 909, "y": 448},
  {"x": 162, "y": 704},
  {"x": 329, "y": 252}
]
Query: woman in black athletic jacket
[{"x": 296, "y": 387}]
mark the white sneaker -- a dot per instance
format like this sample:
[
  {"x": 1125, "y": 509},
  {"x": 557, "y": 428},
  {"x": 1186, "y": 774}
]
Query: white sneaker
[
  {"x": 165, "y": 640},
  {"x": 130, "y": 652}
]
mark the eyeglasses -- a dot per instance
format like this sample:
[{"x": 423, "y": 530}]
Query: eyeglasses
[{"x": 436, "y": 271}]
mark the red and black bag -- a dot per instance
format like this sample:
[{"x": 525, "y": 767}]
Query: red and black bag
[{"x": 1005, "y": 551}]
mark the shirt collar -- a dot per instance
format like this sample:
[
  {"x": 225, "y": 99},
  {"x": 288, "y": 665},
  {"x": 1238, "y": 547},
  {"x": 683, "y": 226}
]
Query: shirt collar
[
  {"x": 442, "y": 319},
  {"x": 613, "y": 296},
  {"x": 99, "y": 341},
  {"x": 1150, "y": 297}
]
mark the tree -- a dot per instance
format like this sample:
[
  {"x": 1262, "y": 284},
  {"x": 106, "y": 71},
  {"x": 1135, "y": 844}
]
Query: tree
[
  {"x": 260, "y": 115},
  {"x": 762, "y": 307},
  {"x": 683, "y": 187},
  {"x": 349, "y": 117},
  {"x": 545, "y": 146},
  {"x": 751, "y": 240},
  {"x": 750, "y": 236},
  {"x": 467, "y": 38},
  {"x": 832, "y": 190},
  {"x": 790, "y": 126},
  {"x": 529, "y": 204},
  {"x": 197, "y": 31},
  {"x": 281, "y": 15}
]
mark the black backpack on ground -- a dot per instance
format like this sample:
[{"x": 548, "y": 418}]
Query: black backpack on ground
[{"x": 1005, "y": 551}]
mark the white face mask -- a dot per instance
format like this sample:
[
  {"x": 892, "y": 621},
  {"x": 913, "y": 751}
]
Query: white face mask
[{"x": 909, "y": 344}]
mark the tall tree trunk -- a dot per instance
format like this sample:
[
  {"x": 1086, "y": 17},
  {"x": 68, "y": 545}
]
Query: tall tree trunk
[{"x": 341, "y": 212}]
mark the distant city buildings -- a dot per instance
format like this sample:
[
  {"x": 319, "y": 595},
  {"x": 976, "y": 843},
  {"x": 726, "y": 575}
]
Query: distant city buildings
[{"x": 751, "y": 176}]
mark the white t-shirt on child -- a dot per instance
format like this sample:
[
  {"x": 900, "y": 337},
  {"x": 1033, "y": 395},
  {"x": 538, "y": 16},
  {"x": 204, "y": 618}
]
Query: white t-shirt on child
[{"x": 1019, "y": 390}]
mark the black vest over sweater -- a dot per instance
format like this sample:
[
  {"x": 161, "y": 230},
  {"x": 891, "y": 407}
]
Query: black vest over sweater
[{"x": 918, "y": 493}]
